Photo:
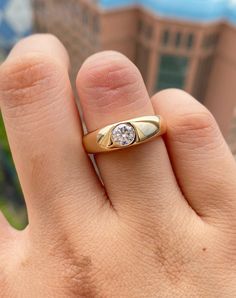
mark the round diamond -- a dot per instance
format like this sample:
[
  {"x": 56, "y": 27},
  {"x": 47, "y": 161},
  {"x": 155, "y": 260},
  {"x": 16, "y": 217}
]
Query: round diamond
[{"x": 123, "y": 134}]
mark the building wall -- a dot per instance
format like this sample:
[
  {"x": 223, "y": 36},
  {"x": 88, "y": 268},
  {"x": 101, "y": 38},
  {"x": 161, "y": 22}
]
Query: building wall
[
  {"x": 77, "y": 23},
  {"x": 119, "y": 30},
  {"x": 221, "y": 93}
]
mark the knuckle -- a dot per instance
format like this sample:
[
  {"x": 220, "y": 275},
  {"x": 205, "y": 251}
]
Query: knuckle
[
  {"x": 108, "y": 78},
  {"x": 171, "y": 255},
  {"x": 196, "y": 128},
  {"x": 77, "y": 269},
  {"x": 175, "y": 92},
  {"x": 165, "y": 251},
  {"x": 28, "y": 79}
]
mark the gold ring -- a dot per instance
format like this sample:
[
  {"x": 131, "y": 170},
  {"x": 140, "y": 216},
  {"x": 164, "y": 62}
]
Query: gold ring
[{"x": 124, "y": 134}]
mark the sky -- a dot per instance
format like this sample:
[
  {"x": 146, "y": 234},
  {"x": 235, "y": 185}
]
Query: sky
[{"x": 196, "y": 10}]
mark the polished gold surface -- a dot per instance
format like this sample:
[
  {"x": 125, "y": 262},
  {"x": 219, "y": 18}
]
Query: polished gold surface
[{"x": 146, "y": 128}]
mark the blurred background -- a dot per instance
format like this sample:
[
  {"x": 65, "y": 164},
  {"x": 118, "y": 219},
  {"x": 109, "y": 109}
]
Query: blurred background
[{"x": 187, "y": 44}]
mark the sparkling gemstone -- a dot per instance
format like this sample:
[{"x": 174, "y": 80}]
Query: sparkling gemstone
[{"x": 123, "y": 134}]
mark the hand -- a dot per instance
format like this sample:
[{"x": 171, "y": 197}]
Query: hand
[{"x": 163, "y": 224}]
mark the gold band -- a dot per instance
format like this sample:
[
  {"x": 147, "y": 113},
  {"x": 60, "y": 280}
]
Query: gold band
[{"x": 124, "y": 134}]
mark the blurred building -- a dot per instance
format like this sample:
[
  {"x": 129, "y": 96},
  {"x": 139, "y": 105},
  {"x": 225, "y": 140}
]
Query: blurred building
[{"x": 184, "y": 44}]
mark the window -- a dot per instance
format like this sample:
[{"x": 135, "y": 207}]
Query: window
[
  {"x": 165, "y": 37},
  {"x": 39, "y": 4},
  {"x": 211, "y": 40},
  {"x": 172, "y": 72},
  {"x": 76, "y": 9},
  {"x": 201, "y": 80},
  {"x": 178, "y": 39},
  {"x": 149, "y": 31},
  {"x": 85, "y": 17},
  {"x": 140, "y": 26},
  {"x": 145, "y": 29},
  {"x": 190, "y": 41},
  {"x": 96, "y": 24},
  {"x": 142, "y": 59},
  {"x": 215, "y": 39}
]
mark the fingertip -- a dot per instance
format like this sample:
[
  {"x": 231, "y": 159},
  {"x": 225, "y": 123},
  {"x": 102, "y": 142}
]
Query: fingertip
[
  {"x": 45, "y": 44},
  {"x": 174, "y": 95},
  {"x": 189, "y": 122},
  {"x": 111, "y": 89},
  {"x": 97, "y": 69}
]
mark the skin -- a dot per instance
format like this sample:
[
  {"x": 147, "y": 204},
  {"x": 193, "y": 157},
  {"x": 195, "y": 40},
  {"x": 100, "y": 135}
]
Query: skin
[{"x": 162, "y": 223}]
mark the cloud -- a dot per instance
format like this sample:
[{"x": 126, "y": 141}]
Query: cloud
[{"x": 232, "y": 2}]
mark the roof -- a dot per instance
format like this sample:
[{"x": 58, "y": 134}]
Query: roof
[{"x": 193, "y": 10}]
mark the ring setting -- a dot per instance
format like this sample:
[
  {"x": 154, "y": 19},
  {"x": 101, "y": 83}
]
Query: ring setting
[{"x": 124, "y": 134}]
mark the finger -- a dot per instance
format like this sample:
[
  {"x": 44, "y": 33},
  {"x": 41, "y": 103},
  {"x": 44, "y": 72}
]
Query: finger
[
  {"x": 44, "y": 131},
  {"x": 203, "y": 164},
  {"x": 139, "y": 178},
  {"x": 4, "y": 227},
  {"x": 7, "y": 235}
]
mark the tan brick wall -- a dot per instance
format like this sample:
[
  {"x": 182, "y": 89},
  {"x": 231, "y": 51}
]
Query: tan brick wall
[{"x": 221, "y": 93}]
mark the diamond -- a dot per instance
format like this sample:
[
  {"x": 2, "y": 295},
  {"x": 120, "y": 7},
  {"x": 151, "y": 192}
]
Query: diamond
[{"x": 123, "y": 134}]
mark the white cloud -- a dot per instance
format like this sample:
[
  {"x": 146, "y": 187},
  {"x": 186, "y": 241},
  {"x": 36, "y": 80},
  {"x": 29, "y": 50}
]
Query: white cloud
[
  {"x": 19, "y": 15},
  {"x": 232, "y": 2}
]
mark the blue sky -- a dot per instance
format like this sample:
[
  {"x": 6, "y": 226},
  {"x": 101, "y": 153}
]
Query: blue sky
[{"x": 196, "y": 10}]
